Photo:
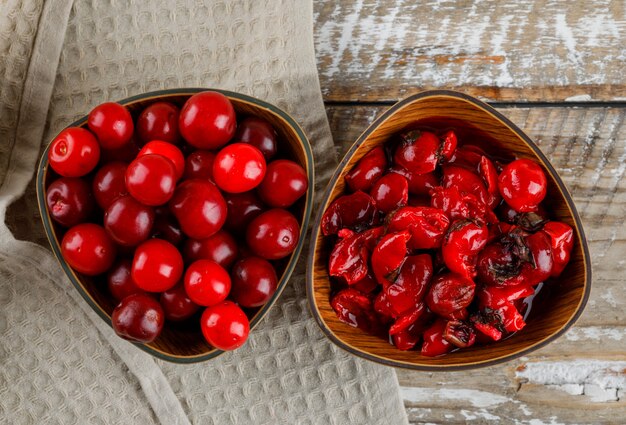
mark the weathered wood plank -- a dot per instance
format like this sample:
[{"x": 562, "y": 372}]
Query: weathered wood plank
[{"x": 541, "y": 50}]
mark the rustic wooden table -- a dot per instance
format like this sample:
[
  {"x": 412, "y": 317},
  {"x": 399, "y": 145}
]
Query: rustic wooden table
[{"x": 558, "y": 70}]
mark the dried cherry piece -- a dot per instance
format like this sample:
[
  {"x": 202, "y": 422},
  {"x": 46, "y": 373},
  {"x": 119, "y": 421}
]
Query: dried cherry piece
[
  {"x": 419, "y": 184},
  {"x": 355, "y": 309},
  {"x": 497, "y": 230},
  {"x": 367, "y": 285},
  {"x": 410, "y": 286},
  {"x": 523, "y": 185},
  {"x": 489, "y": 323},
  {"x": 382, "y": 307},
  {"x": 468, "y": 156},
  {"x": 350, "y": 254},
  {"x": 418, "y": 151},
  {"x": 449, "y": 142},
  {"x": 529, "y": 221},
  {"x": 457, "y": 205},
  {"x": 489, "y": 174},
  {"x": 405, "y": 340},
  {"x": 448, "y": 293},
  {"x": 389, "y": 192},
  {"x": 541, "y": 256},
  {"x": 388, "y": 256},
  {"x": 356, "y": 211},
  {"x": 512, "y": 320},
  {"x": 498, "y": 266},
  {"x": 562, "y": 241},
  {"x": 369, "y": 169},
  {"x": 464, "y": 240},
  {"x": 434, "y": 343},
  {"x": 459, "y": 333},
  {"x": 403, "y": 322},
  {"x": 427, "y": 226},
  {"x": 495, "y": 297},
  {"x": 466, "y": 182}
]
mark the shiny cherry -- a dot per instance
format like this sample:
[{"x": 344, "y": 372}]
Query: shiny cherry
[
  {"x": 285, "y": 182},
  {"x": 465, "y": 239},
  {"x": 74, "y": 152},
  {"x": 418, "y": 152},
  {"x": 354, "y": 309},
  {"x": 138, "y": 318},
  {"x": 167, "y": 150},
  {"x": 88, "y": 249},
  {"x": 242, "y": 209},
  {"x": 109, "y": 183},
  {"x": 221, "y": 248},
  {"x": 177, "y": 305},
  {"x": 427, "y": 225},
  {"x": 369, "y": 169},
  {"x": 434, "y": 343},
  {"x": 199, "y": 165},
  {"x": 159, "y": 121},
  {"x": 151, "y": 179},
  {"x": 206, "y": 282},
  {"x": 562, "y": 241},
  {"x": 207, "y": 120},
  {"x": 419, "y": 184},
  {"x": 120, "y": 282},
  {"x": 128, "y": 221},
  {"x": 448, "y": 293},
  {"x": 239, "y": 167},
  {"x": 199, "y": 207},
  {"x": 254, "y": 282},
  {"x": 274, "y": 234},
  {"x": 225, "y": 326},
  {"x": 69, "y": 200},
  {"x": 355, "y": 211},
  {"x": 523, "y": 185},
  {"x": 260, "y": 134},
  {"x": 390, "y": 192},
  {"x": 112, "y": 124},
  {"x": 157, "y": 265}
]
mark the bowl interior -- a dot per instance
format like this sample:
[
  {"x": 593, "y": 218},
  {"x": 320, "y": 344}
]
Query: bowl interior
[
  {"x": 184, "y": 343},
  {"x": 557, "y": 305}
]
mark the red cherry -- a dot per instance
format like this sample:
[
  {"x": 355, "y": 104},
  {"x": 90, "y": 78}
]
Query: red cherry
[
  {"x": 274, "y": 234},
  {"x": 157, "y": 265},
  {"x": 260, "y": 134},
  {"x": 177, "y": 305},
  {"x": 167, "y": 150},
  {"x": 448, "y": 293},
  {"x": 128, "y": 221},
  {"x": 239, "y": 167},
  {"x": 254, "y": 282},
  {"x": 88, "y": 249},
  {"x": 159, "y": 121},
  {"x": 138, "y": 318},
  {"x": 199, "y": 207},
  {"x": 369, "y": 169},
  {"x": 74, "y": 152},
  {"x": 221, "y": 248},
  {"x": 418, "y": 152},
  {"x": 434, "y": 343},
  {"x": 523, "y": 185},
  {"x": 242, "y": 209},
  {"x": 120, "y": 281},
  {"x": 109, "y": 183},
  {"x": 112, "y": 124},
  {"x": 285, "y": 182},
  {"x": 199, "y": 165},
  {"x": 225, "y": 326},
  {"x": 207, "y": 120},
  {"x": 390, "y": 192},
  {"x": 69, "y": 201},
  {"x": 151, "y": 179},
  {"x": 207, "y": 283}
]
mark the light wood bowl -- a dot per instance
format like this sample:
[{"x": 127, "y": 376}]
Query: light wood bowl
[
  {"x": 555, "y": 308},
  {"x": 184, "y": 343}
]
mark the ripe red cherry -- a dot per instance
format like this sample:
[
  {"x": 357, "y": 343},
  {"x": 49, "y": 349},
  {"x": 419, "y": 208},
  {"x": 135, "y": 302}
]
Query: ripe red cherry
[
  {"x": 285, "y": 182},
  {"x": 254, "y": 282},
  {"x": 120, "y": 281},
  {"x": 369, "y": 169},
  {"x": 138, "y": 318},
  {"x": 242, "y": 209},
  {"x": 109, "y": 183},
  {"x": 273, "y": 234},
  {"x": 199, "y": 207},
  {"x": 151, "y": 179},
  {"x": 74, "y": 152},
  {"x": 177, "y": 305},
  {"x": 418, "y": 152},
  {"x": 448, "y": 293},
  {"x": 206, "y": 282},
  {"x": 88, "y": 249},
  {"x": 157, "y": 265},
  {"x": 69, "y": 200},
  {"x": 523, "y": 185},
  {"x": 199, "y": 165},
  {"x": 239, "y": 167},
  {"x": 390, "y": 192},
  {"x": 259, "y": 133},
  {"x": 225, "y": 326},
  {"x": 221, "y": 248},
  {"x": 128, "y": 221},
  {"x": 167, "y": 150},
  {"x": 207, "y": 120},
  {"x": 159, "y": 121},
  {"x": 112, "y": 124}
]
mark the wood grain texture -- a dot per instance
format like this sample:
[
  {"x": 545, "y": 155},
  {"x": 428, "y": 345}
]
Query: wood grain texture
[
  {"x": 588, "y": 148},
  {"x": 542, "y": 50}
]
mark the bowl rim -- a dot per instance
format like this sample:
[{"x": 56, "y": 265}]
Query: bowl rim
[
  {"x": 326, "y": 195},
  {"x": 42, "y": 170}
]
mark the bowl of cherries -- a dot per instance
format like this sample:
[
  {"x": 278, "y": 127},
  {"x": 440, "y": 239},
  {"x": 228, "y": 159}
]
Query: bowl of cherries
[
  {"x": 179, "y": 215},
  {"x": 447, "y": 239}
]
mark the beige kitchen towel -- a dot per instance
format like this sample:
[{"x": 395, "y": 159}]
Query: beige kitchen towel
[{"x": 59, "y": 363}]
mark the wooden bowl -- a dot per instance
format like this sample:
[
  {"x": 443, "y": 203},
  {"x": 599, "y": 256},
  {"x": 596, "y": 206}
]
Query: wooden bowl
[
  {"x": 556, "y": 307},
  {"x": 184, "y": 343}
]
